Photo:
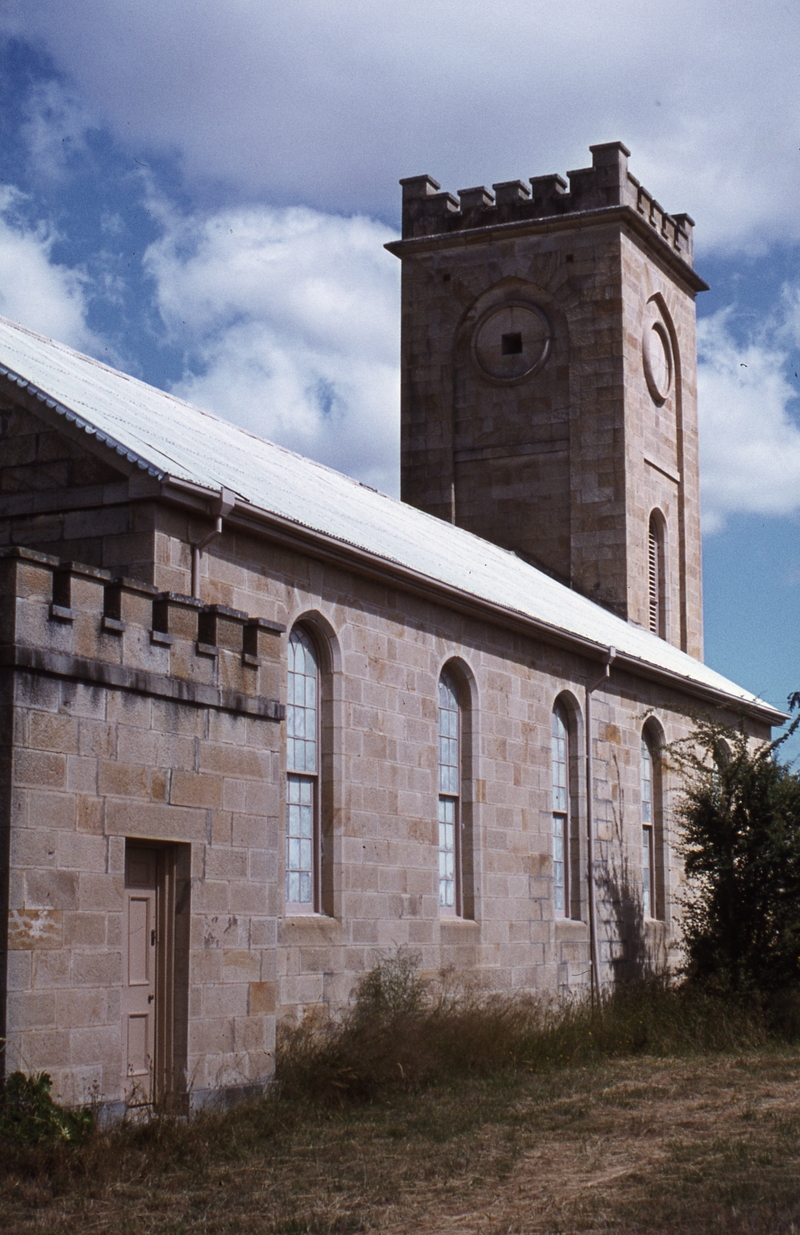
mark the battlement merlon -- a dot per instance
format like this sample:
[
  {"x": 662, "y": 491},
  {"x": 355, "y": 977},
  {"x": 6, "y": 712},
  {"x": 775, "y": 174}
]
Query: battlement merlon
[
  {"x": 606, "y": 184},
  {"x": 67, "y": 619}
]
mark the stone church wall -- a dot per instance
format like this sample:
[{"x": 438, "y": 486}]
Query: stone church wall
[
  {"x": 121, "y": 732},
  {"x": 139, "y": 713}
]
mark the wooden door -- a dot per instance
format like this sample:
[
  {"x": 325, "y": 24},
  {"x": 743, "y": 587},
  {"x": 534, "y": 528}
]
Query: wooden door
[{"x": 139, "y": 979}]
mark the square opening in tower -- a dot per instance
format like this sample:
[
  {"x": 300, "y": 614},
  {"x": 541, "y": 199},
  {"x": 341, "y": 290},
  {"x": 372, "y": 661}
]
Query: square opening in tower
[{"x": 511, "y": 344}]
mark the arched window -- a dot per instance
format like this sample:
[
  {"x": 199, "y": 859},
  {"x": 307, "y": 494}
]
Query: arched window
[
  {"x": 450, "y": 872},
  {"x": 648, "y": 846},
  {"x": 653, "y": 855},
  {"x": 302, "y": 775},
  {"x": 656, "y": 575},
  {"x": 561, "y": 812}
]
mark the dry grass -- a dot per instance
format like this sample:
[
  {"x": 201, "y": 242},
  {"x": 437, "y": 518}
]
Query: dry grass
[
  {"x": 707, "y": 1145},
  {"x": 661, "y": 1111}
]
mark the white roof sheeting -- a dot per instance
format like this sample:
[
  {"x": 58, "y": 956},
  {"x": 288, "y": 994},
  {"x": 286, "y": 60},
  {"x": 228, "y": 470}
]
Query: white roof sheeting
[{"x": 168, "y": 437}]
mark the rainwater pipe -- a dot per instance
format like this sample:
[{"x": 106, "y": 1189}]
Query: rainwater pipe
[
  {"x": 590, "y": 884},
  {"x": 223, "y": 506}
]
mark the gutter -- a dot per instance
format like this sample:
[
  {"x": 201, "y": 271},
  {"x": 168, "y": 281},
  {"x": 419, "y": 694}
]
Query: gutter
[{"x": 366, "y": 562}]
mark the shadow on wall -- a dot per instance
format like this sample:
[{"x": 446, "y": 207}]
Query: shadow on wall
[
  {"x": 630, "y": 958},
  {"x": 635, "y": 951}
]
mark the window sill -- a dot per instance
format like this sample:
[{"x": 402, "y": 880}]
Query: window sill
[
  {"x": 571, "y": 928},
  {"x": 303, "y": 927}
]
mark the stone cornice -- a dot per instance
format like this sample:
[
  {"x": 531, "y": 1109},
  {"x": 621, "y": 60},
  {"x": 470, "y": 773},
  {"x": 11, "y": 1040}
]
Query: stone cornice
[
  {"x": 140, "y": 681},
  {"x": 624, "y": 215}
]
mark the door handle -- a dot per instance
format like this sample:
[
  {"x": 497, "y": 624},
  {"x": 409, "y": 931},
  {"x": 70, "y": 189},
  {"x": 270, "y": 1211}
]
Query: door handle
[{"x": 150, "y": 998}]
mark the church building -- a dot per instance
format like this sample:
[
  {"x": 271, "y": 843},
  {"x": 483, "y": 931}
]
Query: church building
[{"x": 261, "y": 725}]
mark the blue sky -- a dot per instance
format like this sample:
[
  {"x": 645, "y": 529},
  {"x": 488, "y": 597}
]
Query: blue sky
[{"x": 199, "y": 193}]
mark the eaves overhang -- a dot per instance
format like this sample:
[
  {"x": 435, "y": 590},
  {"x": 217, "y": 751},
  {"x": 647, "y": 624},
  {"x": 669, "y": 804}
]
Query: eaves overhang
[
  {"x": 15, "y": 384},
  {"x": 369, "y": 560},
  {"x": 366, "y": 562}
]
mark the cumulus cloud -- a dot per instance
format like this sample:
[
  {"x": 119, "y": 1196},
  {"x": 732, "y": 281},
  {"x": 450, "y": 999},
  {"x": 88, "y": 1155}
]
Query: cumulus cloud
[
  {"x": 54, "y": 129},
  {"x": 328, "y": 104},
  {"x": 43, "y": 295},
  {"x": 290, "y": 323},
  {"x": 749, "y": 438}
]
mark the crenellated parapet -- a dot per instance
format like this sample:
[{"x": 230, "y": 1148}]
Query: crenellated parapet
[
  {"x": 607, "y": 183},
  {"x": 67, "y": 619}
]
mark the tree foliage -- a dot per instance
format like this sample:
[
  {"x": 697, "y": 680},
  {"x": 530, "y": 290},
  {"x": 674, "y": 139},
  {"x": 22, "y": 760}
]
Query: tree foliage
[
  {"x": 28, "y": 1114},
  {"x": 740, "y": 817}
]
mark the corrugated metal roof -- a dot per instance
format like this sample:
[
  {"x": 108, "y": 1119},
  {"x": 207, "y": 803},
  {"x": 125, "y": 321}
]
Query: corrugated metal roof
[{"x": 168, "y": 437}]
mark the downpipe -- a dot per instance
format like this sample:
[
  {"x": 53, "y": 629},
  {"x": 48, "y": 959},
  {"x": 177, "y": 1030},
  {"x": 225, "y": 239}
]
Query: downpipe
[
  {"x": 589, "y": 689},
  {"x": 223, "y": 506}
]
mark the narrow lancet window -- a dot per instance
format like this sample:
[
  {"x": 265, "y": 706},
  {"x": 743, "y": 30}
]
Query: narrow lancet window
[
  {"x": 302, "y": 779},
  {"x": 648, "y": 846},
  {"x": 449, "y": 798},
  {"x": 560, "y": 769},
  {"x": 656, "y": 587}
]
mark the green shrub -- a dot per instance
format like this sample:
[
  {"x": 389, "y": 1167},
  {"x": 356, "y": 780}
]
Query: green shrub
[
  {"x": 28, "y": 1114},
  {"x": 740, "y": 818}
]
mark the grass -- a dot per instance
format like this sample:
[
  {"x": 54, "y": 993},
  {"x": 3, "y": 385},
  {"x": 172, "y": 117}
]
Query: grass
[{"x": 677, "y": 1115}]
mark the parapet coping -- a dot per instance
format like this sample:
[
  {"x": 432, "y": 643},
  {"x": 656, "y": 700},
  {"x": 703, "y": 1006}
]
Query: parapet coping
[
  {"x": 140, "y": 681},
  {"x": 550, "y": 223}
]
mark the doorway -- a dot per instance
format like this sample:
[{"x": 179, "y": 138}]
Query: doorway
[{"x": 155, "y": 973}]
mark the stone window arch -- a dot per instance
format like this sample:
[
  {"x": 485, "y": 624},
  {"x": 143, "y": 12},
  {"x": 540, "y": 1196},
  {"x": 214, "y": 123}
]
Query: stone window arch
[
  {"x": 654, "y": 857},
  {"x": 306, "y": 765},
  {"x": 454, "y": 810},
  {"x": 565, "y": 807}
]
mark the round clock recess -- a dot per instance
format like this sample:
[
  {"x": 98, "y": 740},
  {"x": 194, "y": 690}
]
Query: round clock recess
[
  {"x": 511, "y": 342},
  {"x": 657, "y": 358}
]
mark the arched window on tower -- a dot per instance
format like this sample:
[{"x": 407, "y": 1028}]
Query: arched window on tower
[
  {"x": 561, "y": 812},
  {"x": 450, "y": 856},
  {"x": 303, "y": 840},
  {"x": 656, "y": 575}
]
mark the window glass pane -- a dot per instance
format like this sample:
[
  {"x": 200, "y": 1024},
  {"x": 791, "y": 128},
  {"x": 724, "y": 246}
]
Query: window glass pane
[
  {"x": 646, "y": 765},
  {"x": 559, "y": 863},
  {"x": 449, "y": 771},
  {"x": 647, "y": 783},
  {"x": 560, "y": 761},
  {"x": 299, "y": 839},
  {"x": 449, "y": 790},
  {"x": 560, "y": 778},
  {"x": 301, "y": 706},
  {"x": 447, "y": 852},
  {"x": 647, "y": 872}
]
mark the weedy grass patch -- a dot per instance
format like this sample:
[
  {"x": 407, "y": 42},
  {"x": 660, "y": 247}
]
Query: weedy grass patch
[
  {"x": 657, "y": 1109},
  {"x": 398, "y": 1036}
]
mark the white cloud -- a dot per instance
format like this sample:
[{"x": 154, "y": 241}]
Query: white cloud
[
  {"x": 749, "y": 441},
  {"x": 55, "y": 128},
  {"x": 329, "y": 104},
  {"x": 34, "y": 290},
  {"x": 290, "y": 321}
]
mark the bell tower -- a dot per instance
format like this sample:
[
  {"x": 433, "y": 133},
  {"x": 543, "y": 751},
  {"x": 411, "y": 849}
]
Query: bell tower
[{"x": 548, "y": 381}]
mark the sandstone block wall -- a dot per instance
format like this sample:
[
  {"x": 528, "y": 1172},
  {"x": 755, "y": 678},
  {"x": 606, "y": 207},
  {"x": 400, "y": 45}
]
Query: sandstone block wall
[
  {"x": 385, "y": 650},
  {"x": 128, "y": 727}
]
